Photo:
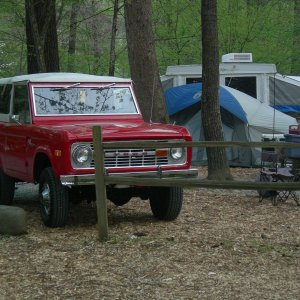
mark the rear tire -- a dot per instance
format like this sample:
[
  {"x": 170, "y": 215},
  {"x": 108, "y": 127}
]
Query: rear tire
[
  {"x": 166, "y": 202},
  {"x": 54, "y": 200},
  {"x": 7, "y": 189}
]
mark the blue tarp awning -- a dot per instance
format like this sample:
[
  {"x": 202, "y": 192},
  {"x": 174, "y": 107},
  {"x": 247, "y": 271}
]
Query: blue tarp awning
[
  {"x": 288, "y": 108},
  {"x": 181, "y": 97}
]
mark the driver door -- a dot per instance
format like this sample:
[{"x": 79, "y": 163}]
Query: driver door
[{"x": 17, "y": 133}]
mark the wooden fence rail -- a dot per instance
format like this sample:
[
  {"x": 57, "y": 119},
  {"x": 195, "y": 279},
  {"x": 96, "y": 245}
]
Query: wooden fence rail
[
  {"x": 202, "y": 183},
  {"x": 205, "y": 144},
  {"x": 102, "y": 178}
]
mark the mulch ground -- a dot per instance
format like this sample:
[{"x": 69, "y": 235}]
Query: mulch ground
[{"x": 224, "y": 245}]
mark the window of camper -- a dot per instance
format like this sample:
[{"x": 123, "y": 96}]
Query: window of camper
[
  {"x": 193, "y": 80},
  {"x": 245, "y": 84}
]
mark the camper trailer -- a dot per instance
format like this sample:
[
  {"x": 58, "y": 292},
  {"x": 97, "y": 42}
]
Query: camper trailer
[
  {"x": 238, "y": 71},
  {"x": 244, "y": 118},
  {"x": 255, "y": 100}
]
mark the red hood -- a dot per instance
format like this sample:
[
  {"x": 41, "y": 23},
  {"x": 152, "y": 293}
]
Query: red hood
[{"x": 124, "y": 131}]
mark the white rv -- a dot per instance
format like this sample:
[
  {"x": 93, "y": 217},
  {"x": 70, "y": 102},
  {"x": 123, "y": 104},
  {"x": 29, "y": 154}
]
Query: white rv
[{"x": 237, "y": 70}]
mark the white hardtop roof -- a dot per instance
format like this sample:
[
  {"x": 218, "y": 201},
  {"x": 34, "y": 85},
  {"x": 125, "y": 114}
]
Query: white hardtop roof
[
  {"x": 62, "y": 77},
  {"x": 225, "y": 68}
]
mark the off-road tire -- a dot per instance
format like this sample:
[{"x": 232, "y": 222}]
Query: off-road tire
[
  {"x": 54, "y": 200},
  {"x": 7, "y": 189},
  {"x": 166, "y": 202}
]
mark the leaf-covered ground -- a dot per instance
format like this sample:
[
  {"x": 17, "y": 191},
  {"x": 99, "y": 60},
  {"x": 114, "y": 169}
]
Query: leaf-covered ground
[{"x": 224, "y": 245}]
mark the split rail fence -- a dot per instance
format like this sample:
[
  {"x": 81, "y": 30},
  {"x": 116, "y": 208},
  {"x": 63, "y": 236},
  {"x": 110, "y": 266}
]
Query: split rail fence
[{"x": 102, "y": 178}]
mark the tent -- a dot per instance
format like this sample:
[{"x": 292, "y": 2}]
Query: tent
[
  {"x": 244, "y": 118},
  {"x": 284, "y": 93}
]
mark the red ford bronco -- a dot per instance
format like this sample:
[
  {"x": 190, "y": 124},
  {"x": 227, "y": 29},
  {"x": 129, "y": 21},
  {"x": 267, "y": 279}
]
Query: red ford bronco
[{"x": 46, "y": 123}]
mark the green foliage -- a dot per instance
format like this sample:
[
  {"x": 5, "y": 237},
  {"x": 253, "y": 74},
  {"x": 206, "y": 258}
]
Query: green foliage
[
  {"x": 12, "y": 38},
  {"x": 92, "y": 38},
  {"x": 94, "y": 24},
  {"x": 177, "y": 31},
  {"x": 264, "y": 28}
]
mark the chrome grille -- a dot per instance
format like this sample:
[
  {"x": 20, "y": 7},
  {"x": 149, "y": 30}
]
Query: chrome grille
[
  {"x": 133, "y": 158},
  {"x": 118, "y": 158}
]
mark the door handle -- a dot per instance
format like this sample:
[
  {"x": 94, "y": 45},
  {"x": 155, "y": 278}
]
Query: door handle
[{"x": 30, "y": 143}]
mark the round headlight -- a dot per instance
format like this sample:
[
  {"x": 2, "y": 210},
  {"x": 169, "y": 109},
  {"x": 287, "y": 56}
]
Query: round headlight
[
  {"x": 176, "y": 153},
  {"x": 82, "y": 155}
]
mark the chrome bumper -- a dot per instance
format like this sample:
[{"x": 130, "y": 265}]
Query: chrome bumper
[{"x": 89, "y": 179}]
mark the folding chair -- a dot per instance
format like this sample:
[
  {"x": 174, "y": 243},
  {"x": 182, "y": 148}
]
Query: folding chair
[{"x": 273, "y": 169}]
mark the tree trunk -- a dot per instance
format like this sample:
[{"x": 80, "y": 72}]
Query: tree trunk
[
  {"x": 72, "y": 35},
  {"x": 35, "y": 59},
  {"x": 112, "y": 55},
  {"x": 142, "y": 60},
  {"x": 210, "y": 106},
  {"x": 41, "y": 34},
  {"x": 51, "y": 41},
  {"x": 97, "y": 49},
  {"x": 295, "y": 70}
]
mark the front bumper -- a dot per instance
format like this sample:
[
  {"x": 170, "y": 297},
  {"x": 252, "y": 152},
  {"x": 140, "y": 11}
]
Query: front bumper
[{"x": 89, "y": 179}]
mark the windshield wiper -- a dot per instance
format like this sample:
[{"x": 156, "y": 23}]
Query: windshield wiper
[
  {"x": 64, "y": 88},
  {"x": 101, "y": 88}
]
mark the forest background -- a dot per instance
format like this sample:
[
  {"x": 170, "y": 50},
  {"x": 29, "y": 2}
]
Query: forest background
[{"x": 267, "y": 28}]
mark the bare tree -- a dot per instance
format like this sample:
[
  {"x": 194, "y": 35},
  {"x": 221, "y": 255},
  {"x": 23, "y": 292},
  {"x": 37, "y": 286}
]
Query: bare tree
[
  {"x": 41, "y": 35},
  {"x": 210, "y": 107},
  {"x": 114, "y": 28},
  {"x": 142, "y": 60}
]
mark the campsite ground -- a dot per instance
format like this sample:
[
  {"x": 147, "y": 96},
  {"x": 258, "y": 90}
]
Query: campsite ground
[{"x": 224, "y": 245}]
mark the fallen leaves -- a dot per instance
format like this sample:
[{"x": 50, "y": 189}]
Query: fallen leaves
[{"x": 224, "y": 245}]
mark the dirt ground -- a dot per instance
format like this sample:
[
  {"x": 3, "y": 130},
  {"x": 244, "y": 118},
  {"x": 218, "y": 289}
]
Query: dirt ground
[{"x": 224, "y": 245}]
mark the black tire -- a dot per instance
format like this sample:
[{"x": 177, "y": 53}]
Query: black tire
[
  {"x": 166, "y": 202},
  {"x": 7, "y": 189},
  {"x": 54, "y": 200}
]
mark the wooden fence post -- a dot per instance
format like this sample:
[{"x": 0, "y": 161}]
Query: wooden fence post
[{"x": 100, "y": 185}]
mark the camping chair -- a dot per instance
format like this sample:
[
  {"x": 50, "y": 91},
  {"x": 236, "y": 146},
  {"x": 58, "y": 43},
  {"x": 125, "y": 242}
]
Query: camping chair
[{"x": 273, "y": 169}]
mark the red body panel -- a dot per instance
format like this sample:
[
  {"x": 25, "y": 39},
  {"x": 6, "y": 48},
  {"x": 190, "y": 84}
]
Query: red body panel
[{"x": 53, "y": 136}]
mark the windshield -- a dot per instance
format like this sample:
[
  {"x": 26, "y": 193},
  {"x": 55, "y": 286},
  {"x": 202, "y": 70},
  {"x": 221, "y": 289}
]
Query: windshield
[{"x": 83, "y": 100}]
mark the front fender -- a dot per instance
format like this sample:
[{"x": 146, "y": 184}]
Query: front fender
[{"x": 55, "y": 156}]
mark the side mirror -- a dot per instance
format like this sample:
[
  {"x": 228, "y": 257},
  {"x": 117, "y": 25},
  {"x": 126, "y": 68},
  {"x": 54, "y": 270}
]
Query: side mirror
[{"x": 16, "y": 119}]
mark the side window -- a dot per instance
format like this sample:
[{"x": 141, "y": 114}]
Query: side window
[
  {"x": 245, "y": 84},
  {"x": 20, "y": 104},
  {"x": 193, "y": 80},
  {"x": 5, "y": 95}
]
